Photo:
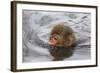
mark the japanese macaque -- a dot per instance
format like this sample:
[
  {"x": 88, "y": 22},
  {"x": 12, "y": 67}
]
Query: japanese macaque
[{"x": 62, "y": 39}]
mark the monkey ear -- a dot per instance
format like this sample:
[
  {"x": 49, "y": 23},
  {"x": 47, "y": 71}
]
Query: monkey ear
[{"x": 69, "y": 41}]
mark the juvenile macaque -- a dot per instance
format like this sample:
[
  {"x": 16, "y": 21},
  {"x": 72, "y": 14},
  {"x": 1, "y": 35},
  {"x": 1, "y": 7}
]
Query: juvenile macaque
[{"x": 63, "y": 40}]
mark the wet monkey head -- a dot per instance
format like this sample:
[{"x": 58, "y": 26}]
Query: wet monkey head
[{"x": 62, "y": 35}]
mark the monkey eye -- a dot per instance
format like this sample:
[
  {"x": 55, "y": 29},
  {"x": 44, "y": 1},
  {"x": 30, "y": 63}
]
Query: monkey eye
[{"x": 55, "y": 38}]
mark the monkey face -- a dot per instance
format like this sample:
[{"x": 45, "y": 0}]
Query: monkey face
[{"x": 55, "y": 40}]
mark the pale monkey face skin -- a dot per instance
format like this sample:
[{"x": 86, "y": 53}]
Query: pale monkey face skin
[
  {"x": 61, "y": 35},
  {"x": 55, "y": 40}
]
